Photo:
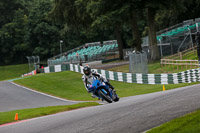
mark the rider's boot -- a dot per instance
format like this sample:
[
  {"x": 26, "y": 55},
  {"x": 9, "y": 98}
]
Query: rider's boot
[{"x": 93, "y": 95}]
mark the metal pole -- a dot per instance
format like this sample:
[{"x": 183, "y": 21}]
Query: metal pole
[
  {"x": 28, "y": 63},
  {"x": 197, "y": 27},
  {"x": 35, "y": 65},
  {"x": 38, "y": 59},
  {"x": 161, "y": 49},
  {"x": 191, "y": 38},
  {"x": 171, "y": 46},
  {"x": 182, "y": 43},
  {"x": 61, "y": 41}
]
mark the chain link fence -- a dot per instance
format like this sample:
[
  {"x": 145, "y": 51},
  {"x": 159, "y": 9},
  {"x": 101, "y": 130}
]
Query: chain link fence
[
  {"x": 138, "y": 62},
  {"x": 33, "y": 62},
  {"x": 175, "y": 39}
]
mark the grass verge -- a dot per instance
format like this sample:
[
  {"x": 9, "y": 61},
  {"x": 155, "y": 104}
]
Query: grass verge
[
  {"x": 189, "y": 123},
  {"x": 65, "y": 84},
  {"x": 13, "y": 71},
  {"x": 69, "y": 85},
  {"x": 154, "y": 68},
  {"x": 6, "y": 117}
]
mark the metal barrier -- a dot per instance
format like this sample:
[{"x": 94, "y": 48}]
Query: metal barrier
[
  {"x": 138, "y": 63},
  {"x": 174, "y": 78}
]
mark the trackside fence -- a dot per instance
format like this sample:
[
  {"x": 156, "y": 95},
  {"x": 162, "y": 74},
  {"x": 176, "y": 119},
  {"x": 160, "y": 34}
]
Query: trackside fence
[
  {"x": 188, "y": 76},
  {"x": 183, "y": 63}
]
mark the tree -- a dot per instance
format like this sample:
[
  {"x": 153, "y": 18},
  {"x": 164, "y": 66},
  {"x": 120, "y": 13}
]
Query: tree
[
  {"x": 7, "y": 10},
  {"x": 81, "y": 26},
  {"x": 106, "y": 14},
  {"x": 12, "y": 43},
  {"x": 133, "y": 10},
  {"x": 70, "y": 12},
  {"x": 152, "y": 7},
  {"x": 41, "y": 35}
]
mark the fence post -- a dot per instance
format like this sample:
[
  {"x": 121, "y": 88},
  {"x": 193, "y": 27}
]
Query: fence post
[
  {"x": 181, "y": 66},
  {"x": 181, "y": 56}
]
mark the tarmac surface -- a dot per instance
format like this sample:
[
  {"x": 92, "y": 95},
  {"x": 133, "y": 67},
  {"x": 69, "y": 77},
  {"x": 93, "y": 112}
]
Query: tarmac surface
[
  {"x": 134, "y": 114},
  {"x": 111, "y": 65},
  {"x": 14, "y": 97}
]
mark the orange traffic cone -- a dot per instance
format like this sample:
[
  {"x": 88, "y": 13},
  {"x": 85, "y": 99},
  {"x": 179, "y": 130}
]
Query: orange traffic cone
[{"x": 16, "y": 116}]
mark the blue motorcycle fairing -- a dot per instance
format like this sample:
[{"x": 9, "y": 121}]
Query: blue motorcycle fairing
[
  {"x": 104, "y": 91},
  {"x": 97, "y": 85}
]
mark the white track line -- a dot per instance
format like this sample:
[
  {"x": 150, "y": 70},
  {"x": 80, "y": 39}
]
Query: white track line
[{"x": 45, "y": 94}]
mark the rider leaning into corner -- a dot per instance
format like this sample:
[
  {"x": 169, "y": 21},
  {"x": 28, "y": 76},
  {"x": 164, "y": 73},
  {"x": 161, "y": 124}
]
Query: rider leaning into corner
[{"x": 88, "y": 78}]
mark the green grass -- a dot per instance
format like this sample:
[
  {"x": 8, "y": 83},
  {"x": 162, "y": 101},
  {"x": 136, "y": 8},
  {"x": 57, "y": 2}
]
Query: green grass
[
  {"x": 13, "y": 71},
  {"x": 123, "y": 68},
  {"x": 132, "y": 89},
  {"x": 153, "y": 68},
  {"x": 190, "y": 56},
  {"x": 65, "y": 84},
  {"x": 69, "y": 85},
  {"x": 189, "y": 123},
  {"x": 6, "y": 117}
]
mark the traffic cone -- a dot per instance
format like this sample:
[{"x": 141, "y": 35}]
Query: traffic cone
[
  {"x": 16, "y": 116},
  {"x": 163, "y": 88}
]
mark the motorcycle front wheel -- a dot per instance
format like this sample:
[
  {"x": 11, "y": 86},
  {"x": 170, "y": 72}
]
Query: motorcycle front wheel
[{"x": 104, "y": 96}]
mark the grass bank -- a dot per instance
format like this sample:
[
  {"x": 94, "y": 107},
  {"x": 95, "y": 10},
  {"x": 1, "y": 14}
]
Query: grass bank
[
  {"x": 153, "y": 68},
  {"x": 189, "y": 123},
  {"x": 6, "y": 117},
  {"x": 69, "y": 85},
  {"x": 13, "y": 71}
]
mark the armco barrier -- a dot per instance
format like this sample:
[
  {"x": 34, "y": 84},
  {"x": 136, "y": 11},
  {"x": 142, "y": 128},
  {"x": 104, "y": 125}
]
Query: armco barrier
[{"x": 188, "y": 76}]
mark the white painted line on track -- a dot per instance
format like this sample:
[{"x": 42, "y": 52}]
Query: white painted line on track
[
  {"x": 45, "y": 93},
  {"x": 12, "y": 123}
]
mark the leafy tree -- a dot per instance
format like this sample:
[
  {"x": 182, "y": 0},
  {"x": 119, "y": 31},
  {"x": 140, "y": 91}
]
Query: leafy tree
[
  {"x": 152, "y": 7},
  {"x": 7, "y": 10},
  {"x": 41, "y": 35},
  {"x": 77, "y": 23},
  {"x": 12, "y": 44},
  {"x": 185, "y": 10},
  {"x": 25, "y": 29},
  {"x": 106, "y": 15}
]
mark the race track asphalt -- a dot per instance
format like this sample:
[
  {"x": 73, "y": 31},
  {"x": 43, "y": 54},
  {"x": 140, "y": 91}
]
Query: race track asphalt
[
  {"x": 130, "y": 115},
  {"x": 14, "y": 97}
]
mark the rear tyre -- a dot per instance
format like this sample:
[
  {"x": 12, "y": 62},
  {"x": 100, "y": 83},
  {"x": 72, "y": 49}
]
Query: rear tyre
[{"x": 105, "y": 97}]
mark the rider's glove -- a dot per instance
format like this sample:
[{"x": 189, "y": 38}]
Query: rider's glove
[{"x": 101, "y": 79}]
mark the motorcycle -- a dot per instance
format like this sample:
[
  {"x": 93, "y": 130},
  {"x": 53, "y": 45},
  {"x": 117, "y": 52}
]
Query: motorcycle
[{"x": 102, "y": 91}]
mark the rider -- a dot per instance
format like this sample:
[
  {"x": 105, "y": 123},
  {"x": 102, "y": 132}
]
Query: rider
[{"x": 88, "y": 78}]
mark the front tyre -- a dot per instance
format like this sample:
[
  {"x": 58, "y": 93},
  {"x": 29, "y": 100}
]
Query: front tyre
[
  {"x": 116, "y": 99},
  {"x": 104, "y": 96}
]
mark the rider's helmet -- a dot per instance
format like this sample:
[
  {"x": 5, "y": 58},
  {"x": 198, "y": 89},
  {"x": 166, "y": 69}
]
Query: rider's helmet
[{"x": 87, "y": 70}]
